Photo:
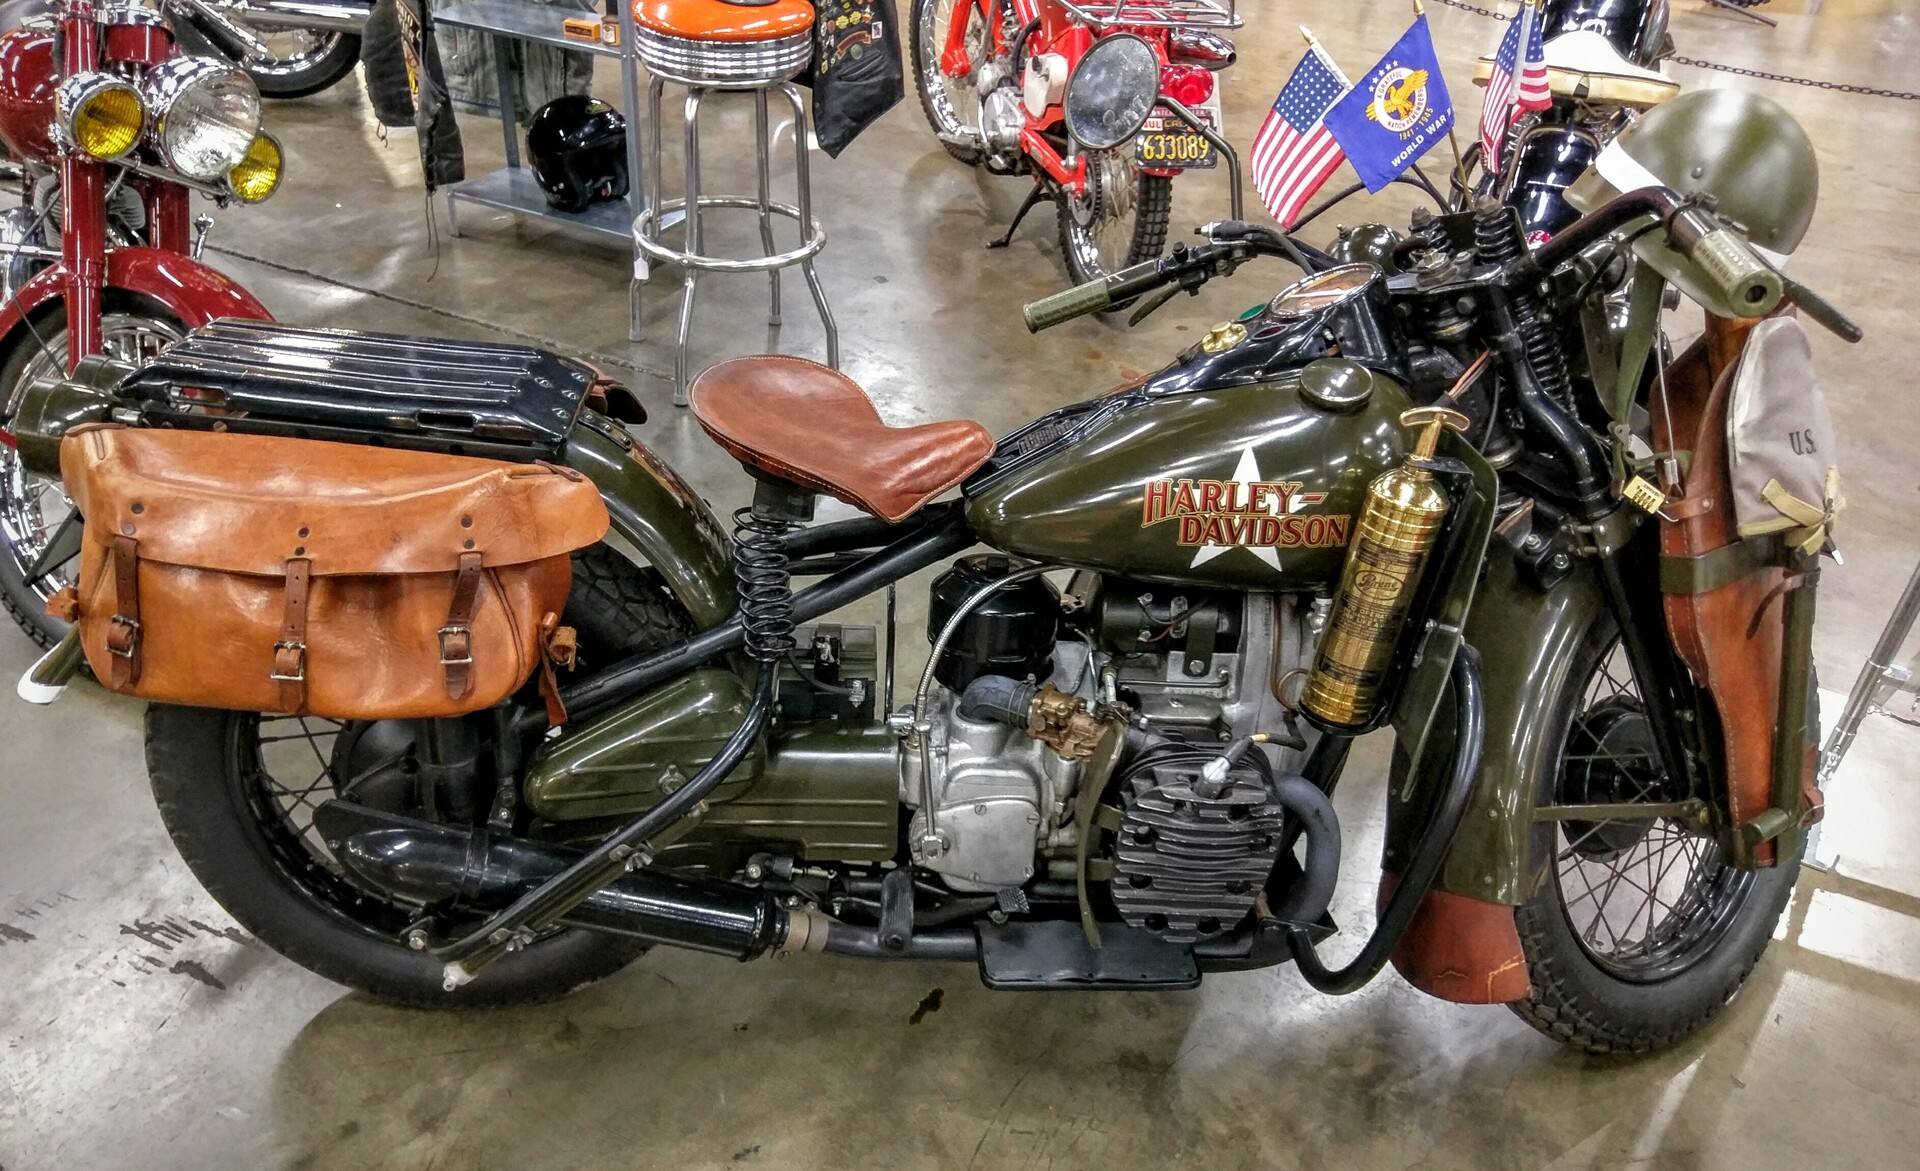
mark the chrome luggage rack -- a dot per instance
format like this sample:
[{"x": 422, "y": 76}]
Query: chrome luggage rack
[{"x": 1109, "y": 14}]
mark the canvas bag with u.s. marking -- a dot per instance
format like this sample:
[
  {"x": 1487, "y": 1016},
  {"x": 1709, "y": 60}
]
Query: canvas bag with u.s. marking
[{"x": 259, "y": 573}]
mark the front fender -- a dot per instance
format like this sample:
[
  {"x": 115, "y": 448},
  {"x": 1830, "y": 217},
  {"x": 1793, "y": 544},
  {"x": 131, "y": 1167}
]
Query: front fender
[
  {"x": 1527, "y": 642},
  {"x": 654, "y": 510},
  {"x": 188, "y": 289}
]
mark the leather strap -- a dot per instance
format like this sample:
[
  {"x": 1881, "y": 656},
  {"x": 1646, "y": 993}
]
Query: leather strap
[
  {"x": 123, "y": 632},
  {"x": 558, "y": 647},
  {"x": 456, "y": 637},
  {"x": 290, "y": 653}
]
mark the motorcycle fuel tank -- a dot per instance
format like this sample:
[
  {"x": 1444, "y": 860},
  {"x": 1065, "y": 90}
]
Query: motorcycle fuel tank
[{"x": 1245, "y": 464}]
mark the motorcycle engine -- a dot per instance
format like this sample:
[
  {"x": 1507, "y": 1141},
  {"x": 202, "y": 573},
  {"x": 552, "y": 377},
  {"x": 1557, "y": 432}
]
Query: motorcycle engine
[{"x": 1192, "y": 670}]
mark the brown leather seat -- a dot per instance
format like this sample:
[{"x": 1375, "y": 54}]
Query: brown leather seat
[{"x": 813, "y": 426}]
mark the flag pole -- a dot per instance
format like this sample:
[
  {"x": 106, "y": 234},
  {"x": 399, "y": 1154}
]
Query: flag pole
[{"x": 1453, "y": 140}]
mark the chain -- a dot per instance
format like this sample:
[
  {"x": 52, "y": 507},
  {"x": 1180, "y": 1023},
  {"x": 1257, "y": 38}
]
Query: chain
[
  {"x": 1814, "y": 83},
  {"x": 1761, "y": 75}
]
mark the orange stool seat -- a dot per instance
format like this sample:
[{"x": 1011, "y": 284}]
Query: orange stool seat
[{"x": 717, "y": 20}]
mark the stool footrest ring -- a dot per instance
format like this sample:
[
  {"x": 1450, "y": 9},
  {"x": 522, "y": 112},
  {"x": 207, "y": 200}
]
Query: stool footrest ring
[{"x": 645, "y": 240}]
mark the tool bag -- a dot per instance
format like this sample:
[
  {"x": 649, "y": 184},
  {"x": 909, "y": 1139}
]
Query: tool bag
[{"x": 269, "y": 574}]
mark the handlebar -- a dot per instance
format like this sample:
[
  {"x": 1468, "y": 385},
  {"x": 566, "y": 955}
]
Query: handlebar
[
  {"x": 1095, "y": 295},
  {"x": 1232, "y": 244},
  {"x": 1729, "y": 266}
]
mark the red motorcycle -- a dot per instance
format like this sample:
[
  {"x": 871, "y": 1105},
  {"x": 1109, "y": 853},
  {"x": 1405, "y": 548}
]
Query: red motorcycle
[
  {"x": 113, "y": 129},
  {"x": 1103, "y": 102}
]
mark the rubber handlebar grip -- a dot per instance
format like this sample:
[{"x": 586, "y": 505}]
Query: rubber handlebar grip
[
  {"x": 1078, "y": 301},
  {"x": 1742, "y": 279}
]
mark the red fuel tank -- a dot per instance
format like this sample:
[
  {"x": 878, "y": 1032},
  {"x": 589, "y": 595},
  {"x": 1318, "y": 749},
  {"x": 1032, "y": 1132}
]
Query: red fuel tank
[{"x": 27, "y": 81}]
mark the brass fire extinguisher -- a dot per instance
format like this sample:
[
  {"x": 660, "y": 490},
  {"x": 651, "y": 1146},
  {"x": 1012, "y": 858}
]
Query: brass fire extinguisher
[{"x": 1396, "y": 533}]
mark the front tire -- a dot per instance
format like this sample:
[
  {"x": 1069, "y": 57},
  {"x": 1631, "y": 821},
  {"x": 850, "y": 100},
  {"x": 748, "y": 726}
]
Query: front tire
[
  {"x": 1639, "y": 933},
  {"x": 33, "y": 506},
  {"x": 237, "y": 793},
  {"x": 1119, "y": 222}
]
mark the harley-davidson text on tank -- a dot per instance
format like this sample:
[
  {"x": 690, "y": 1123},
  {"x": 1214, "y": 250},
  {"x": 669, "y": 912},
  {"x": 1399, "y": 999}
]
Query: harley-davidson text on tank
[{"x": 1245, "y": 512}]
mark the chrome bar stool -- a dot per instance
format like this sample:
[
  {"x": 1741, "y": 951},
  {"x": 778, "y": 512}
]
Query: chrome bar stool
[{"x": 755, "y": 46}]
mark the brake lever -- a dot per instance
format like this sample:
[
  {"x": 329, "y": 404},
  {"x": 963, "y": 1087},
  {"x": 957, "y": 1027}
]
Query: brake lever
[{"x": 1150, "y": 303}]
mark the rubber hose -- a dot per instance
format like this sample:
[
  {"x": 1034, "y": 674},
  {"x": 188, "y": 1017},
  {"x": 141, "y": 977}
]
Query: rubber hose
[{"x": 1428, "y": 856}]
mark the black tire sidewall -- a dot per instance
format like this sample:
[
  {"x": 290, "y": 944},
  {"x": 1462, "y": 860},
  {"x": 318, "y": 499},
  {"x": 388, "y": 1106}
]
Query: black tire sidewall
[
  {"x": 1590, "y": 1003},
  {"x": 325, "y": 71},
  {"x": 1154, "y": 212}
]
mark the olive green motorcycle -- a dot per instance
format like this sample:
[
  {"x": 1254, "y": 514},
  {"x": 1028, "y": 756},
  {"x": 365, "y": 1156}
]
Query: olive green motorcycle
[{"x": 1423, "y": 488}]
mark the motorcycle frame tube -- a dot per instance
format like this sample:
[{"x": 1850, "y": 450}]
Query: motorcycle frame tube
[{"x": 909, "y": 554}]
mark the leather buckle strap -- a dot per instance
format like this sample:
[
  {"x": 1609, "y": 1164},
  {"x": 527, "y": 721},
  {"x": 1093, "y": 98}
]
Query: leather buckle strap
[
  {"x": 290, "y": 653},
  {"x": 123, "y": 630},
  {"x": 456, "y": 637}
]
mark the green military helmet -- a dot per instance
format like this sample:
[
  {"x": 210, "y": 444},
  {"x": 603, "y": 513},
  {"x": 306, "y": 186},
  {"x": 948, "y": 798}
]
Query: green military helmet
[{"x": 1742, "y": 149}]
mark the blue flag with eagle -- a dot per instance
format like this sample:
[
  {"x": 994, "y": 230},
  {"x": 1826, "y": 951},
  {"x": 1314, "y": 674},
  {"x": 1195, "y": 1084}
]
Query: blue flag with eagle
[{"x": 1396, "y": 113}]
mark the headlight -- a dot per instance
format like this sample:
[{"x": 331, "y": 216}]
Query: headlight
[
  {"x": 1112, "y": 90},
  {"x": 206, "y": 115},
  {"x": 258, "y": 175},
  {"x": 100, "y": 114}
]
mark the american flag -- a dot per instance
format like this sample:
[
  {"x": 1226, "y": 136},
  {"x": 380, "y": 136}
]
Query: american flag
[
  {"x": 1294, "y": 152},
  {"x": 1506, "y": 98}
]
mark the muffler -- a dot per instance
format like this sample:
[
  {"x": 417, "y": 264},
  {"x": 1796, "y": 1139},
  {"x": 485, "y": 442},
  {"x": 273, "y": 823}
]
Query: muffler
[
  {"x": 421, "y": 862},
  {"x": 426, "y": 863},
  {"x": 326, "y": 15}
]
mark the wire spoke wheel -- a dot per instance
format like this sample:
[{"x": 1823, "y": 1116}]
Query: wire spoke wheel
[
  {"x": 951, "y": 104},
  {"x": 1646, "y": 898},
  {"x": 1119, "y": 220},
  {"x": 33, "y": 506},
  {"x": 291, "y": 51},
  {"x": 1642, "y": 929}
]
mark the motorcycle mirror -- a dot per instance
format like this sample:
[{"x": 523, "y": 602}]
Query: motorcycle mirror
[{"x": 1112, "y": 91}]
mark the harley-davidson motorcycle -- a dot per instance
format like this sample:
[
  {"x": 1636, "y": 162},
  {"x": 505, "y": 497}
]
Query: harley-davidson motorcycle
[
  {"x": 1429, "y": 493},
  {"x": 993, "y": 80},
  {"x": 1602, "y": 58},
  {"x": 115, "y": 129}
]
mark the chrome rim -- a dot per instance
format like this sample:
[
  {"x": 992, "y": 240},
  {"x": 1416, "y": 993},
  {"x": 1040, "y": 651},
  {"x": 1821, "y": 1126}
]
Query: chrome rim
[
  {"x": 32, "y": 506},
  {"x": 955, "y": 103},
  {"x": 291, "y": 51},
  {"x": 1646, "y": 898},
  {"x": 1103, "y": 221}
]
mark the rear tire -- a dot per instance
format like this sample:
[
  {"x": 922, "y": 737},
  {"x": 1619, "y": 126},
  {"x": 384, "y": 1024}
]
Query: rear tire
[
  {"x": 1597, "y": 983},
  {"x": 224, "y": 799}
]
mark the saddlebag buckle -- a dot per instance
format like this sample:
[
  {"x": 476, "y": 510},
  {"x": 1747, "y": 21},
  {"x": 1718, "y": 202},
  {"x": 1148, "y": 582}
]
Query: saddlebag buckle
[
  {"x": 123, "y": 636},
  {"x": 293, "y": 669},
  {"x": 456, "y": 645}
]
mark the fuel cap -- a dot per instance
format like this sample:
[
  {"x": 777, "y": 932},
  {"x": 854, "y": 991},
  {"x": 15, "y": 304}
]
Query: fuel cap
[{"x": 1336, "y": 384}]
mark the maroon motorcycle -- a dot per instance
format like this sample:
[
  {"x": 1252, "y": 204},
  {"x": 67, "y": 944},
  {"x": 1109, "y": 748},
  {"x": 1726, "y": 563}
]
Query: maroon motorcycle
[{"x": 113, "y": 129}]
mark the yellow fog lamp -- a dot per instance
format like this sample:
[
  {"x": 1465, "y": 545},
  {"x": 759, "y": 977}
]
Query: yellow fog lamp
[
  {"x": 100, "y": 114},
  {"x": 257, "y": 175}
]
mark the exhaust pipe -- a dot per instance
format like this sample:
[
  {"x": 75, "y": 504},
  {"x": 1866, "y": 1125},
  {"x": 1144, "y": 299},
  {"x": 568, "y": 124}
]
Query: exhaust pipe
[
  {"x": 426, "y": 863},
  {"x": 326, "y": 15}
]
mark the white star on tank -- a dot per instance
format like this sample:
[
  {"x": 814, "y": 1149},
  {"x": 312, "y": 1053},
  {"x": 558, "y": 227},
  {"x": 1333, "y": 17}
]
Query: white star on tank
[{"x": 1246, "y": 473}]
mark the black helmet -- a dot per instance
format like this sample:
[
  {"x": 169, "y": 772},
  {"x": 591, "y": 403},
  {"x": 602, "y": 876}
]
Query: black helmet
[{"x": 578, "y": 148}]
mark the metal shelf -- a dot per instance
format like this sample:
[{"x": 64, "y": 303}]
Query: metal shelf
[{"x": 513, "y": 188}]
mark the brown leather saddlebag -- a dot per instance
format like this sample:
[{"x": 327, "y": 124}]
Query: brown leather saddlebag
[{"x": 267, "y": 574}]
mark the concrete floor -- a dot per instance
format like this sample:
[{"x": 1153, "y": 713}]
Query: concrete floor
[{"x": 138, "y": 1026}]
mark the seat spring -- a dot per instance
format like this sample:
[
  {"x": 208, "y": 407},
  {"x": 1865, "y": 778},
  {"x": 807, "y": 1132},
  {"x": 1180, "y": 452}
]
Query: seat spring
[{"x": 766, "y": 594}]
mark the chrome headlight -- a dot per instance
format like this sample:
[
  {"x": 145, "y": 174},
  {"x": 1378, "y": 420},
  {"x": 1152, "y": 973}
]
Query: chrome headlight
[
  {"x": 100, "y": 114},
  {"x": 1112, "y": 90},
  {"x": 258, "y": 175},
  {"x": 205, "y": 114}
]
